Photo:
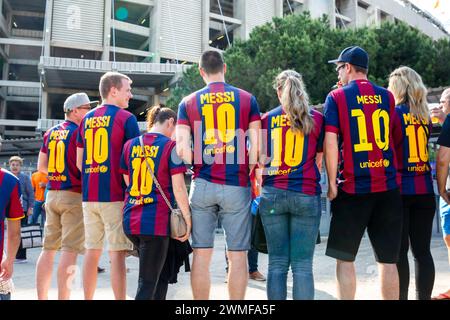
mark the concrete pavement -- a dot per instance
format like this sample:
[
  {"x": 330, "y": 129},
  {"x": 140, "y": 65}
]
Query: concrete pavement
[{"x": 324, "y": 275}]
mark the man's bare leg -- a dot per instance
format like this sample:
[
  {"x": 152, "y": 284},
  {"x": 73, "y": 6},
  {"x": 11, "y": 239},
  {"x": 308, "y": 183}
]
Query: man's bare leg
[
  {"x": 346, "y": 280},
  {"x": 44, "y": 269},
  {"x": 91, "y": 259},
  {"x": 200, "y": 276},
  {"x": 237, "y": 275},
  {"x": 390, "y": 286}
]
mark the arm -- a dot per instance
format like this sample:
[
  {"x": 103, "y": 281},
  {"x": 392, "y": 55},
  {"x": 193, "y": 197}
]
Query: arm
[
  {"x": 442, "y": 162},
  {"x": 43, "y": 163},
  {"x": 80, "y": 158},
  {"x": 30, "y": 193},
  {"x": 331, "y": 162},
  {"x": 126, "y": 178},
  {"x": 254, "y": 132},
  {"x": 11, "y": 249},
  {"x": 181, "y": 196},
  {"x": 183, "y": 139},
  {"x": 319, "y": 160}
]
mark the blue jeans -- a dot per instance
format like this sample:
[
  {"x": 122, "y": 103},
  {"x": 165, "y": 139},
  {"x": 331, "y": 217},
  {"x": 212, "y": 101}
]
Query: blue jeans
[
  {"x": 37, "y": 211},
  {"x": 5, "y": 296},
  {"x": 291, "y": 222}
]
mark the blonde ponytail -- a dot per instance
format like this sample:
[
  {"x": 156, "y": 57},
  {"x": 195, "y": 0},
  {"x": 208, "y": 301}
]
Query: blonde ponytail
[{"x": 295, "y": 101}]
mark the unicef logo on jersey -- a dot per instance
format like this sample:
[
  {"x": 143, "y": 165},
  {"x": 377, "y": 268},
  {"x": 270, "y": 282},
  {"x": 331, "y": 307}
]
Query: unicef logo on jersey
[{"x": 374, "y": 164}]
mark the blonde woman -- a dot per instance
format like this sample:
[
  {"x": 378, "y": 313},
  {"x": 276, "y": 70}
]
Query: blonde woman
[
  {"x": 411, "y": 134},
  {"x": 290, "y": 198}
]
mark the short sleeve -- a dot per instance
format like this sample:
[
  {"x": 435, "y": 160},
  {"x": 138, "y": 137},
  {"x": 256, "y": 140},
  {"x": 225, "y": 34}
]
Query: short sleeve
[
  {"x": 331, "y": 115},
  {"x": 254, "y": 110},
  {"x": 182, "y": 117},
  {"x": 176, "y": 165},
  {"x": 444, "y": 136},
  {"x": 131, "y": 128},
  {"x": 14, "y": 210}
]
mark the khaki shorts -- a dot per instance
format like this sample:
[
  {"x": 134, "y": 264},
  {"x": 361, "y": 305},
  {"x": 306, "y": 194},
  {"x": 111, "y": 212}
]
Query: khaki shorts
[
  {"x": 102, "y": 218},
  {"x": 64, "y": 227}
]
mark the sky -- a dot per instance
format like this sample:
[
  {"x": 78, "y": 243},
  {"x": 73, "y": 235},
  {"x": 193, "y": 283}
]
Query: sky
[{"x": 438, "y": 8}]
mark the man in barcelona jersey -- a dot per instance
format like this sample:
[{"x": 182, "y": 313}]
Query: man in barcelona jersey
[
  {"x": 11, "y": 210},
  {"x": 221, "y": 119},
  {"x": 64, "y": 228},
  {"x": 361, "y": 167},
  {"x": 103, "y": 132}
]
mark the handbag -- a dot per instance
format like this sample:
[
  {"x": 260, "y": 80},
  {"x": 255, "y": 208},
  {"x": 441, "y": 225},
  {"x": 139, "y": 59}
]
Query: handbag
[
  {"x": 259, "y": 242},
  {"x": 31, "y": 236},
  {"x": 178, "y": 226}
]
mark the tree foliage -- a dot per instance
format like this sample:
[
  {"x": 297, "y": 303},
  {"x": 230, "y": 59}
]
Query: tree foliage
[{"x": 305, "y": 45}]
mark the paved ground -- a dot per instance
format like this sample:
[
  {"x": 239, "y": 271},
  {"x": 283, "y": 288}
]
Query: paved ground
[{"x": 324, "y": 274}]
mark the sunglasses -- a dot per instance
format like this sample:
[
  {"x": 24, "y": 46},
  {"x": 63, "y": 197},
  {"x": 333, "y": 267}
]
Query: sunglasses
[{"x": 340, "y": 67}]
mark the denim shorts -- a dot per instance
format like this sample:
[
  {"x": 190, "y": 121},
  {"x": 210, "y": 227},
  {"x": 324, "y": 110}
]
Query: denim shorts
[
  {"x": 444, "y": 210},
  {"x": 231, "y": 204}
]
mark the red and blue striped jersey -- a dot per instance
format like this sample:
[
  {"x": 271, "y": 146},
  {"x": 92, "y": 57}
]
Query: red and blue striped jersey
[
  {"x": 145, "y": 212},
  {"x": 103, "y": 132},
  {"x": 291, "y": 157},
  {"x": 10, "y": 207},
  {"x": 61, "y": 149},
  {"x": 362, "y": 114},
  {"x": 219, "y": 116},
  {"x": 411, "y": 146}
]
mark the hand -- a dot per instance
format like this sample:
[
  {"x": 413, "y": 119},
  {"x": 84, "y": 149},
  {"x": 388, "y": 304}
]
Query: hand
[
  {"x": 332, "y": 191},
  {"x": 29, "y": 212},
  {"x": 445, "y": 195},
  {"x": 188, "y": 232},
  {"x": 7, "y": 268},
  {"x": 251, "y": 167},
  {"x": 438, "y": 113},
  {"x": 42, "y": 184}
]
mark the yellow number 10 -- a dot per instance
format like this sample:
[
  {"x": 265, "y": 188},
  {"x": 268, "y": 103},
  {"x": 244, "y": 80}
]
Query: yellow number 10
[
  {"x": 421, "y": 140},
  {"x": 140, "y": 169},
  {"x": 96, "y": 145},
  {"x": 56, "y": 156},
  {"x": 364, "y": 144},
  {"x": 225, "y": 123},
  {"x": 293, "y": 145}
]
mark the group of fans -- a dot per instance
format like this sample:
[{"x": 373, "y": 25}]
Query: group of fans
[{"x": 108, "y": 182}]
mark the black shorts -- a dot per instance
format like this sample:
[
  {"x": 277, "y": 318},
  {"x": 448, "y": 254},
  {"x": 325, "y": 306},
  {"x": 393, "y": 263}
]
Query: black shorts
[{"x": 380, "y": 213}]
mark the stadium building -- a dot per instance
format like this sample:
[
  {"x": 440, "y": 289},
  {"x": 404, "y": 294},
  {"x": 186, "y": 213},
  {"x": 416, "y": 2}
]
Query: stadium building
[{"x": 52, "y": 48}]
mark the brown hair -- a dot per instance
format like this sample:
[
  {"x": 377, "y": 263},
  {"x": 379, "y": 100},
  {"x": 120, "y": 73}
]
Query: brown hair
[
  {"x": 110, "y": 80},
  {"x": 295, "y": 101},
  {"x": 211, "y": 61},
  {"x": 360, "y": 69},
  {"x": 159, "y": 114}
]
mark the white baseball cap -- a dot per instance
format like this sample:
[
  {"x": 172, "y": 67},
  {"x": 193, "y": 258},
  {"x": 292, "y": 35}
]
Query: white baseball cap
[{"x": 76, "y": 100}]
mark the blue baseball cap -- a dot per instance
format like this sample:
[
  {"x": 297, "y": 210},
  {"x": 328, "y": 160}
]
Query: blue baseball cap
[{"x": 354, "y": 55}]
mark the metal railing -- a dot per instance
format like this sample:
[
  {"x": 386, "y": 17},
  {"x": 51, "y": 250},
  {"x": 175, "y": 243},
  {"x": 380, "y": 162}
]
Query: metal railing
[{"x": 103, "y": 66}]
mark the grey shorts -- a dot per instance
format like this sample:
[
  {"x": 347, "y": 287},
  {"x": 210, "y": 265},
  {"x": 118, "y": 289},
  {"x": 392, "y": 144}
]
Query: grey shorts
[{"x": 231, "y": 204}]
